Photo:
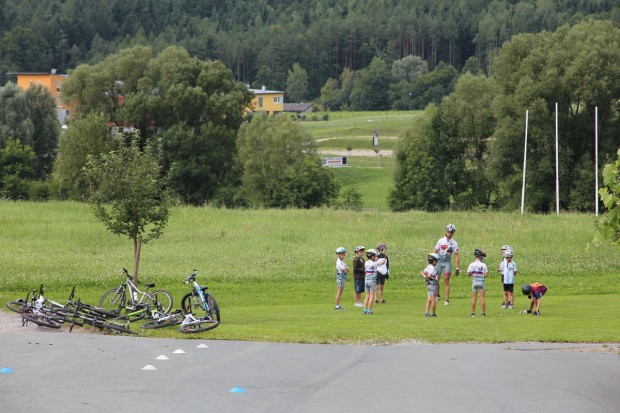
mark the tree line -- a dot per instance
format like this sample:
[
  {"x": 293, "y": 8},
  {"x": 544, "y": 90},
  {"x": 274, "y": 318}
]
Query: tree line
[{"x": 260, "y": 41}]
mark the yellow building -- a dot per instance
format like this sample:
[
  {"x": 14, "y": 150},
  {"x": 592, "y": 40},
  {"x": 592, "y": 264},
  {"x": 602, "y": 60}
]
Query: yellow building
[
  {"x": 52, "y": 82},
  {"x": 269, "y": 101}
]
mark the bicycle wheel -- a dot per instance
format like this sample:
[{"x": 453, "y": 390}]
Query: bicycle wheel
[
  {"x": 191, "y": 304},
  {"x": 115, "y": 327},
  {"x": 17, "y": 306},
  {"x": 113, "y": 301},
  {"x": 41, "y": 320},
  {"x": 168, "y": 320},
  {"x": 198, "y": 326},
  {"x": 160, "y": 300}
]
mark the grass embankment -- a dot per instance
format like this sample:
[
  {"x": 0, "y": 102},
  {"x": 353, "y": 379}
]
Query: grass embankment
[{"x": 272, "y": 272}]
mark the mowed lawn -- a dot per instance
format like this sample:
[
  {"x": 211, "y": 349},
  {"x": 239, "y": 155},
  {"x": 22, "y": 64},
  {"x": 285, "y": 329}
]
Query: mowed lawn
[{"x": 272, "y": 271}]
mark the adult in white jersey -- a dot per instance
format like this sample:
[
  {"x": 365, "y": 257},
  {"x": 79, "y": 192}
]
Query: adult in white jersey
[{"x": 445, "y": 248}]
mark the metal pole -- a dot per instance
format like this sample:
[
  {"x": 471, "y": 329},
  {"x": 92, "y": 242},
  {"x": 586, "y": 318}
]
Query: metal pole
[
  {"x": 557, "y": 174},
  {"x": 524, "y": 165},
  {"x": 596, "y": 160}
]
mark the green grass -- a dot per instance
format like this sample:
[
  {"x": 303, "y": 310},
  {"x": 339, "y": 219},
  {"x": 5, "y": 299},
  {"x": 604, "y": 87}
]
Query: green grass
[
  {"x": 272, "y": 271},
  {"x": 361, "y": 125},
  {"x": 371, "y": 177}
]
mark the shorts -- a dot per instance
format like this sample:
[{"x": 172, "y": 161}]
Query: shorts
[
  {"x": 340, "y": 279},
  {"x": 381, "y": 279},
  {"x": 359, "y": 285},
  {"x": 370, "y": 286},
  {"x": 509, "y": 287},
  {"x": 444, "y": 266},
  {"x": 477, "y": 286},
  {"x": 432, "y": 290}
]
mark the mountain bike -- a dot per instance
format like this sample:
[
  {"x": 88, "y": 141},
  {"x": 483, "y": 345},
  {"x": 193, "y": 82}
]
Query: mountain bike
[
  {"x": 40, "y": 310},
  {"x": 199, "y": 308},
  {"x": 128, "y": 297},
  {"x": 164, "y": 320},
  {"x": 83, "y": 314}
]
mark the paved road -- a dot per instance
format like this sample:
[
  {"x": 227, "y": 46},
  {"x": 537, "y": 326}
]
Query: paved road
[{"x": 62, "y": 372}]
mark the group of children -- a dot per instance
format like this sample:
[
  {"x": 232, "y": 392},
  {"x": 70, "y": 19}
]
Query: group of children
[{"x": 369, "y": 276}]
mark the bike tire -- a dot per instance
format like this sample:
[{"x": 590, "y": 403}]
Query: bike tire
[
  {"x": 42, "y": 321},
  {"x": 113, "y": 300},
  {"x": 17, "y": 306},
  {"x": 116, "y": 327},
  {"x": 168, "y": 320},
  {"x": 197, "y": 327},
  {"x": 191, "y": 304},
  {"x": 161, "y": 300}
]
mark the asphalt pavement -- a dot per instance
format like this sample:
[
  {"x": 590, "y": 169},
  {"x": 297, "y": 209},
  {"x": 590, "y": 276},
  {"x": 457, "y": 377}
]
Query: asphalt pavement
[{"x": 62, "y": 372}]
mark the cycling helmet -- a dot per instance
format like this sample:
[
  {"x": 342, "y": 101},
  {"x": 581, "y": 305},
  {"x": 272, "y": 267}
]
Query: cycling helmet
[
  {"x": 508, "y": 253},
  {"x": 479, "y": 253},
  {"x": 527, "y": 289},
  {"x": 341, "y": 250},
  {"x": 433, "y": 257},
  {"x": 506, "y": 247},
  {"x": 381, "y": 246},
  {"x": 450, "y": 228},
  {"x": 371, "y": 253},
  {"x": 359, "y": 248}
]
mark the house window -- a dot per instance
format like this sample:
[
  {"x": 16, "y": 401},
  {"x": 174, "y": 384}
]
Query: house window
[
  {"x": 31, "y": 82},
  {"x": 58, "y": 86},
  {"x": 277, "y": 99},
  {"x": 260, "y": 101}
]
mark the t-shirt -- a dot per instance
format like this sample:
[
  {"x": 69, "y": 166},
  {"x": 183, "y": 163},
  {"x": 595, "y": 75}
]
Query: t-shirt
[
  {"x": 538, "y": 290},
  {"x": 358, "y": 267},
  {"x": 477, "y": 269},
  {"x": 432, "y": 278},
  {"x": 341, "y": 266},
  {"x": 508, "y": 270},
  {"x": 370, "y": 270},
  {"x": 446, "y": 247},
  {"x": 387, "y": 263}
]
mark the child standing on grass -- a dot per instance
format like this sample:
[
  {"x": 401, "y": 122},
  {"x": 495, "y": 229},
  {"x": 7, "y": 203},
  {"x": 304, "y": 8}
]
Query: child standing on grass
[
  {"x": 503, "y": 251},
  {"x": 431, "y": 277},
  {"x": 508, "y": 269},
  {"x": 341, "y": 275},
  {"x": 479, "y": 272},
  {"x": 383, "y": 272},
  {"x": 359, "y": 274},
  {"x": 370, "y": 281},
  {"x": 534, "y": 292}
]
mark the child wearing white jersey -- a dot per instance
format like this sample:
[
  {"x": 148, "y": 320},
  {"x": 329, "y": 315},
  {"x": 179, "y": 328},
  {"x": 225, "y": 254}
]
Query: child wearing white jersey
[
  {"x": 508, "y": 269},
  {"x": 432, "y": 281},
  {"x": 341, "y": 275},
  {"x": 370, "y": 280},
  {"x": 478, "y": 271}
]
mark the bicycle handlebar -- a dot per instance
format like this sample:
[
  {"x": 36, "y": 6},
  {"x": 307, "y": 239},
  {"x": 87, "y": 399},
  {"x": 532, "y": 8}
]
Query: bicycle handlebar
[{"x": 191, "y": 277}]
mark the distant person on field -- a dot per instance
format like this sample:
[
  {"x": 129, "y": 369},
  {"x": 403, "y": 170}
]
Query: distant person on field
[
  {"x": 445, "y": 248},
  {"x": 383, "y": 272},
  {"x": 359, "y": 273},
  {"x": 534, "y": 292},
  {"x": 432, "y": 282},
  {"x": 508, "y": 269},
  {"x": 478, "y": 271},
  {"x": 341, "y": 274},
  {"x": 370, "y": 281},
  {"x": 503, "y": 251}
]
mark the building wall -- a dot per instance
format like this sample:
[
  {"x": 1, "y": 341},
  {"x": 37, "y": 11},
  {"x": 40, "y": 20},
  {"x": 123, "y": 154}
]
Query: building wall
[
  {"x": 53, "y": 83},
  {"x": 270, "y": 101}
]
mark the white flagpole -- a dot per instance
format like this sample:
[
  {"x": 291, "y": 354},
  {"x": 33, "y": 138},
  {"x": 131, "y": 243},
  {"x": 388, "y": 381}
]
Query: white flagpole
[
  {"x": 596, "y": 160},
  {"x": 557, "y": 175},
  {"x": 524, "y": 164}
]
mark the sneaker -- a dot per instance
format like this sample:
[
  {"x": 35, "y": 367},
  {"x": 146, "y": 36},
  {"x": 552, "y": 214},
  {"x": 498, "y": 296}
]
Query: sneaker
[
  {"x": 434, "y": 315},
  {"x": 358, "y": 305},
  {"x": 484, "y": 314},
  {"x": 376, "y": 301},
  {"x": 369, "y": 312},
  {"x": 382, "y": 301},
  {"x": 536, "y": 312},
  {"x": 427, "y": 315},
  {"x": 446, "y": 303},
  {"x": 473, "y": 314},
  {"x": 510, "y": 307},
  {"x": 504, "y": 305},
  {"x": 339, "y": 307}
]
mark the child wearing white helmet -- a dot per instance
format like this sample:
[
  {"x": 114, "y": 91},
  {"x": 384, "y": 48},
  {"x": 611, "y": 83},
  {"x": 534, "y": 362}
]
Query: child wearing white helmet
[
  {"x": 445, "y": 248},
  {"x": 341, "y": 274},
  {"x": 508, "y": 269},
  {"x": 478, "y": 271},
  {"x": 358, "y": 274},
  {"x": 383, "y": 272},
  {"x": 432, "y": 282},
  {"x": 370, "y": 281}
]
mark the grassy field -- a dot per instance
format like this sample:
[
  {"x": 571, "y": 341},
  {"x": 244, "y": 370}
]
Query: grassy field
[{"x": 272, "y": 272}]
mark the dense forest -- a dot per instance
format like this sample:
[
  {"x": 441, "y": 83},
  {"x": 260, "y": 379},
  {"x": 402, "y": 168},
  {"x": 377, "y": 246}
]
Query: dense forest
[{"x": 261, "y": 40}]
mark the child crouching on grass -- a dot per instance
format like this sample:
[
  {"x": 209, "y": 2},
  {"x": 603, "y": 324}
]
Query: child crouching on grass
[
  {"x": 431, "y": 277},
  {"x": 534, "y": 292}
]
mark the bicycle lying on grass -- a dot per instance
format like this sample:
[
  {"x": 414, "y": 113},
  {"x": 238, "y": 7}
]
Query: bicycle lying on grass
[
  {"x": 139, "y": 305},
  {"x": 199, "y": 308}
]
